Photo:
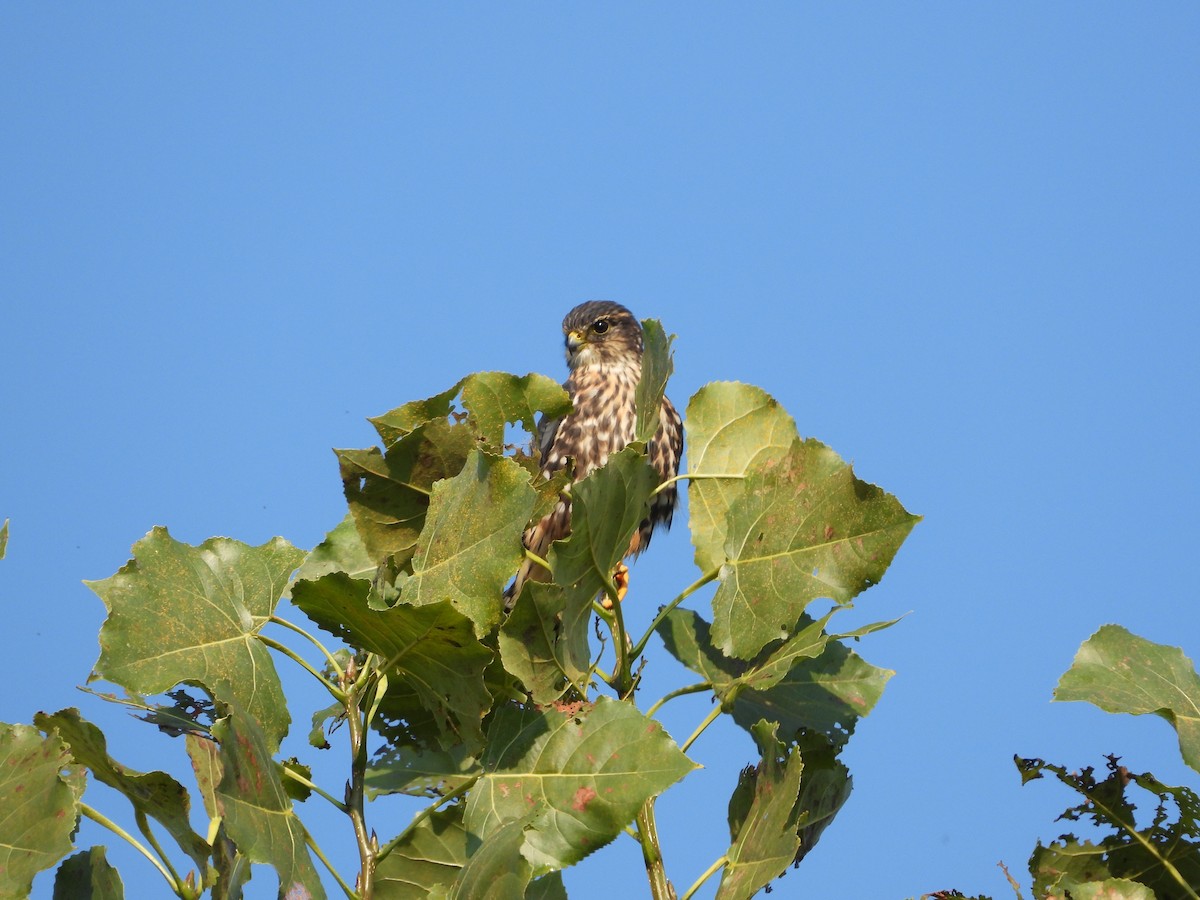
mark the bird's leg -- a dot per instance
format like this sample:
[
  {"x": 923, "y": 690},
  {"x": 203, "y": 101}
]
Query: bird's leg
[{"x": 620, "y": 578}]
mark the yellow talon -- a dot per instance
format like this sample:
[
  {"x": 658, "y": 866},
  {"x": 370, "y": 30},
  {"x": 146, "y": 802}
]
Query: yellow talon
[{"x": 620, "y": 578}]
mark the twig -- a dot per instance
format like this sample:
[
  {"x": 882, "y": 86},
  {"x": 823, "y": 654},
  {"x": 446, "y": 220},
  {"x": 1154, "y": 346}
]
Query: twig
[
  {"x": 665, "y": 611},
  {"x": 712, "y": 870},
  {"x": 423, "y": 815},
  {"x": 101, "y": 819}
]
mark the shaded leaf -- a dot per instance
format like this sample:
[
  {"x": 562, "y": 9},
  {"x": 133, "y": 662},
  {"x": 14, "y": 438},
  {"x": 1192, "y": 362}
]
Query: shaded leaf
[
  {"x": 431, "y": 855},
  {"x": 762, "y": 818},
  {"x": 804, "y": 527},
  {"x": 656, "y": 369},
  {"x": 256, "y": 808},
  {"x": 88, "y": 875},
  {"x": 824, "y": 788},
  {"x": 1123, "y": 673},
  {"x": 178, "y": 613},
  {"x": 496, "y": 870},
  {"x": 544, "y": 641},
  {"x": 419, "y": 772},
  {"x": 731, "y": 429},
  {"x": 606, "y": 508},
  {"x": 584, "y": 771},
  {"x": 494, "y": 399},
  {"x": 429, "y": 653},
  {"x": 341, "y": 551},
  {"x": 1161, "y": 856},
  {"x": 38, "y": 806},
  {"x": 3, "y": 539},
  {"x": 154, "y": 794},
  {"x": 471, "y": 542},
  {"x": 232, "y": 868}
]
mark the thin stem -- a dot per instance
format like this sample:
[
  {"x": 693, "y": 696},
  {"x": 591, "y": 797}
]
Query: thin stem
[
  {"x": 712, "y": 870},
  {"x": 316, "y": 643},
  {"x": 143, "y": 825},
  {"x": 679, "y": 692},
  {"x": 101, "y": 819},
  {"x": 291, "y": 654},
  {"x": 423, "y": 815},
  {"x": 529, "y": 554},
  {"x": 367, "y": 848},
  {"x": 691, "y": 476},
  {"x": 624, "y": 669},
  {"x": 665, "y": 611},
  {"x": 656, "y": 873},
  {"x": 300, "y": 779},
  {"x": 708, "y": 720},
  {"x": 312, "y": 845}
]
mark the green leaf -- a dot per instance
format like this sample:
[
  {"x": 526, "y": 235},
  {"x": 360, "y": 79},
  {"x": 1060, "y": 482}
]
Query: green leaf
[
  {"x": 471, "y": 543},
  {"x": 3, "y": 538},
  {"x": 88, "y": 876},
  {"x": 495, "y": 398},
  {"x": 1110, "y": 889},
  {"x": 155, "y": 794},
  {"x": 496, "y": 870},
  {"x": 419, "y": 772},
  {"x": 232, "y": 868},
  {"x": 584, "y": 770},
  {"x": 38, "y": 806},
  {"x": 544, "y": 641},
  {"x": 404, "y": 420},
  {"x": 429, "y": 653},
  {"x": 804, "y": 528},
  {"x": 606, "y": 508},
  {"x": 341, "y": 551},
  {"x": 731, "y": 429},
  {"x": 1123, "y": 673},
  {"x": 388, "y": 491},
  {"x": 656, "y": 369},
  {"x": 1163, "y": 856},
  {"x": 431, "y": 855},
  {"x": 178, "y": 613},
  {"x": 762, "y": 818},
  {"x": 256, "y": 808}
]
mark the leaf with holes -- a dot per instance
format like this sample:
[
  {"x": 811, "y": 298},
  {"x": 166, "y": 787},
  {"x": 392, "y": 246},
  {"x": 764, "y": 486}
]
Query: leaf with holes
[
  {"x": 1123, "y": 673},
  {"x": 154, "y": 794},
  {"x": 544, "y": 641},
  {"x": 471, "y": 543},
  {"x": 257, "y": 810},
  {"x": 731, "y": 429},
  {"x": 805, "y": 527},
  {"x": 493, "y": 399},
  {"x": 584, "y": 770},
  {"x": 178, "y": 613},
  {"x": 38, "y": 805}
]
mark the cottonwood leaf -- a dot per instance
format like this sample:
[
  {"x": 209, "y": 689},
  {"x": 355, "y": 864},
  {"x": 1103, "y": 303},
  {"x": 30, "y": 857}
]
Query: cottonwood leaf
[
  {"x": 1123, "y": 673},
  {"x": 805, "y": 527},
  {"x": 762, "y": 818},
  {"x": 388, "y": 490},
  {"x": 431, "y": 855},
  {"x": 39, "y": 806},
  {"x": 341, "y": 551},
  {"x": 493, "y": 399},
  {"x": 396, "y": 423},
  {"x": 419, "y": 771},
  {"x": 429, "y": 653},
  {"x": 544, "y": 641},
  {"x": 471, "y": 542},
  {"x": 154, "y": 794},
  {"x": 178, "y": 613},
  {"x": 3, "y": 539},
  {"x": 657, "y": 367},
  {"x": 257, "y": 810},
  {"x": 584, "y": 770},
  {"x": 606, "y": 508},
  {"x": 496, "y": 870},
  {"x": 233, "y": 869},
  {"x": 731, "y": 429},
  {"x": 88, "y": 875}
]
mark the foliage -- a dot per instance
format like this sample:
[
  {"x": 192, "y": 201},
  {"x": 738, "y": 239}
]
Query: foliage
[{"x": 528, "y": 740}]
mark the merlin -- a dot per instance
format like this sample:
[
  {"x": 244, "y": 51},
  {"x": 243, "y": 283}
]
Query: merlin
[{"x": 604, "y": 354}]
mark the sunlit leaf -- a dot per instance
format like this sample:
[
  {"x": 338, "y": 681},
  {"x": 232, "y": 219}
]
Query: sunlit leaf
[
  {"x": 471, "y": 542},
  {"x": 233, "y": 869},
  {"x": 656, "y": 369},
  {"x": 496, "y": 870},
  {"x": 3, "y": 538},
  {"x": 154, "y": 794},
  {"x": 402, "y": 420},
  {"x": 429, "y": 651},
  {"x": 88, "y": 875},
  {"x": 257, "y": 810},
  {"x": 583, "y": 769},
  {"x": 762, "y": 818},
  {"x": 495, "y": 398},
  {"x": 178, "y": 613},
  {"x": 731, "y": 428},
  {"x": 38, "y": 805},
  {"x": 544, "y": 641},
  {"x": 1123, "y": 673},
  {"x": 341, "y": 551},
  {"x": 805, "y": 527}
]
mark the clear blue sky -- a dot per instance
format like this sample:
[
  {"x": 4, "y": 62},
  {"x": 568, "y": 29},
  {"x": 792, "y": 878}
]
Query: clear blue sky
[{"x": 959, "y": 242}]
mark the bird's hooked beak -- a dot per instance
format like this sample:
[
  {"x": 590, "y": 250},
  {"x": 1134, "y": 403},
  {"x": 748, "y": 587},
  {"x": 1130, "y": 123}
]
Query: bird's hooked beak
[{"x": 575, "y": 340}]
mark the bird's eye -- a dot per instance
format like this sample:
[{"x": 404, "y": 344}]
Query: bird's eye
[{"x": 600, "y": 326}]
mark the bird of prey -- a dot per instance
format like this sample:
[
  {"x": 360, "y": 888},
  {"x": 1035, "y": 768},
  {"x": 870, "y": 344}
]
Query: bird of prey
[{"x": 604, "y": 354}]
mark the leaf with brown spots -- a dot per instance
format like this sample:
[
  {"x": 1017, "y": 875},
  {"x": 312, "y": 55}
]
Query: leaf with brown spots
[{"x": 583, "y": 775}]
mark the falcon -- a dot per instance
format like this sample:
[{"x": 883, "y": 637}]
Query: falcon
[{"x": 604, "y": 355}]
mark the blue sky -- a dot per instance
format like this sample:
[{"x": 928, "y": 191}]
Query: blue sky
[{"x": 956, "y": 241}]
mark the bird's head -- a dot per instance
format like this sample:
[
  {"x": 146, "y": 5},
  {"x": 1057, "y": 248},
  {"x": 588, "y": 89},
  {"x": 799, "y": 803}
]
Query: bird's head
[{"x": 602, "y": 333}]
